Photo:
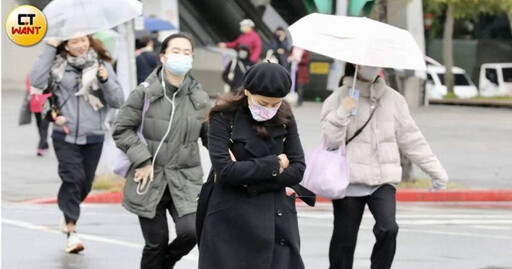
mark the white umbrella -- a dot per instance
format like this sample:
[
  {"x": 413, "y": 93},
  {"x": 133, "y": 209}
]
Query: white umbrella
[
  {"x": 358, "y": 40},
  {"x": 70, "y": 18}
]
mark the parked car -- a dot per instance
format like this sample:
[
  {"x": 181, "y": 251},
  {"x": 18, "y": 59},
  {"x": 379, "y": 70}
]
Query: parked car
[
  {"x": 436, "y": 89},
  {"x": 495, "y": 79}
]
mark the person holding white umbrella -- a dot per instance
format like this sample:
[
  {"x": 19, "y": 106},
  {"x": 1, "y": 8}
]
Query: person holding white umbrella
[
  {"x": 386, "y": 127},
  {"x": 85, "y": 88},
  {"x": 375, "y": 119}
]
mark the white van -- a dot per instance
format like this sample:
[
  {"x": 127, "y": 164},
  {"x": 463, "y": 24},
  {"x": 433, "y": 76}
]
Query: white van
[
  {"x": 496, "y": 79},
  {"x": 436, "y": 89}
]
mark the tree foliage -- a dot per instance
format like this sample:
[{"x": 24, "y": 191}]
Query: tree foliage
[{"x": 468, "y": 9}]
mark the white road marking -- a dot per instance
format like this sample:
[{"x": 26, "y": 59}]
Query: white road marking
[
  {"x": 90, "y": 237},
  {"x": 413, "y": 216},
  {"x": 409, "y": 230},
  {"x": 488, "y": 227}
]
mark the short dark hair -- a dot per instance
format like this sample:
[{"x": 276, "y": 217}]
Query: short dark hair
[
  {"x": 165, "y": 43},
  {"x": 350, "y": 70},
  {"x": 142, "y": 42}
]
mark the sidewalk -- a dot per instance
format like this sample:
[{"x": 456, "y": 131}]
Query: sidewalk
[
  {"x": 470, "y": 102},
  {"x": 474, "y": 144}
]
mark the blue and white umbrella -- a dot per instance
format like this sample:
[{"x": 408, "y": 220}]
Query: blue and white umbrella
[{"x": 154, "y": 24}]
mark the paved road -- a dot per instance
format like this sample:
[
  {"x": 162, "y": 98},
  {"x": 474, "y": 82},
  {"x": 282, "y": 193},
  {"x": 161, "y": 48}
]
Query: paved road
[
  {"x": 474, "y": 144},
  {"x": 431, "y": 236}
]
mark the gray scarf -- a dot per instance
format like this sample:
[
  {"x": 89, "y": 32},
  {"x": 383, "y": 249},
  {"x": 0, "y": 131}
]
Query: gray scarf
[{"x": 88, "y": 64}]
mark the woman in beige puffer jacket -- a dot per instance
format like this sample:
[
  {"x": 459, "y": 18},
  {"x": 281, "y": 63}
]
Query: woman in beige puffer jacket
[{"x": 374, "y": 161}]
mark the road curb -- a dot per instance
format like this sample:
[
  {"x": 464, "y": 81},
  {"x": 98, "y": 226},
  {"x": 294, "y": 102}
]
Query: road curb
[{"x": 402, "y": 195}]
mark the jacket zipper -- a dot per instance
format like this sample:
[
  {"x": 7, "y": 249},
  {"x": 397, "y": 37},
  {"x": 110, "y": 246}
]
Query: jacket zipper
[
  {"x": 77, "y": 109},
  {"x": 77, "y": 118}
]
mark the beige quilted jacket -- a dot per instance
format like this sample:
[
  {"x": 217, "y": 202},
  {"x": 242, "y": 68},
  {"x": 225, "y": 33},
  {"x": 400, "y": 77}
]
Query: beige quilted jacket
[{"x": 374, "y": 154}]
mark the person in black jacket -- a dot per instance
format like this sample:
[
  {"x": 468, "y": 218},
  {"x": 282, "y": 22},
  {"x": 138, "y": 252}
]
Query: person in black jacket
[
  {"x": 256, "y": 153},
  {"x": 278, "y": 49},
  {"x": 146, "y": 60},
  {"x": 235, "y": 70}
]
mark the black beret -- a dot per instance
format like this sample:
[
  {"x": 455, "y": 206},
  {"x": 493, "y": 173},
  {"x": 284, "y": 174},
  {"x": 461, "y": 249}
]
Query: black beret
[{"x": 268, "y": 79}]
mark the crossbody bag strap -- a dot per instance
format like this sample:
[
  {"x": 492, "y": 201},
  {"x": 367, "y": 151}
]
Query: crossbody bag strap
[{"x": 360, "y": 130}]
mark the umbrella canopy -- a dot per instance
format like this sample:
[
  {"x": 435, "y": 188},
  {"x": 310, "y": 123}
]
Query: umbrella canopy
[
  {"x": 71, "y": 18},
  {"x": 154, "y": 24},
  {"x": 358, "y": 40}
]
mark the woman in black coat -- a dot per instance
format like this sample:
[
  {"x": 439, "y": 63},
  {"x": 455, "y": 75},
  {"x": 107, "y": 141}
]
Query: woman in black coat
[{"x": 256, "y": 153}]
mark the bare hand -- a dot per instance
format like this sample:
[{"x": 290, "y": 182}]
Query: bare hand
[
  {"x": 60, "y": 120},
  {"x": 102, "y": 72},
  {"x": 284, "y": 161},
  {"x": 280, "y": 51},
  {"x": 348, "y": 103},
  {"x": 144, "y": 174},
  {"x": 53, "y": 42},
  {"x": 222, "y": 45}
]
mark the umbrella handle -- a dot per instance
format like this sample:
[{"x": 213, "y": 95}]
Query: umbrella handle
[{"x": 351, "y": 92}]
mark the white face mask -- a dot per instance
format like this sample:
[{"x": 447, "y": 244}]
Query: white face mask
[
  {"x": 369, "y": 73},
  {"x": 178, "y": 64}
]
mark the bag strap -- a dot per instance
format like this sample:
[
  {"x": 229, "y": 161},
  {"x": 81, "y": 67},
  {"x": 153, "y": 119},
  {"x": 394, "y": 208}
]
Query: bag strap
[{"x": 358, "y": 132}]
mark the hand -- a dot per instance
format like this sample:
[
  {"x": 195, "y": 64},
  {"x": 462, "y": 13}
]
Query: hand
[
  {"x": 53, "y": 42},
  {"x": 280, "y": 51},
  {"x": 144, "y": 174},
  {"x": 35, "y": 91},
  {"x": 437, "y": 186},
  {"x": 284, "y": 161},
  {"x": 102, "y": 72},
  {"x": 348, "y": 103},
  {"x": 60, "y": 120},
  {"x": 222, "y": 45}
]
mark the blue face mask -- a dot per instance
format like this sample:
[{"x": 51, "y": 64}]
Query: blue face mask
[{"x": 178, "y": 64}]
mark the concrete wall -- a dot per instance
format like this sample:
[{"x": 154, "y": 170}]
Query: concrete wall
[{"x": 16, "y": 60}]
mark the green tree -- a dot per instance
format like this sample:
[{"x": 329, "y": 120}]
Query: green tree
[{"x": 460, "y": 10}]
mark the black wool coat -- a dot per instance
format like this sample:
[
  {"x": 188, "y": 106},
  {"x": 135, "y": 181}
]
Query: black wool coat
[{"x": 250, "y": 222}]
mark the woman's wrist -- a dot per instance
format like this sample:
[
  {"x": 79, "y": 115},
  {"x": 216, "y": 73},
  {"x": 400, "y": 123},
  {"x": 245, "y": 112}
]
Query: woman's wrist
[{"x": 281, "y": 166}]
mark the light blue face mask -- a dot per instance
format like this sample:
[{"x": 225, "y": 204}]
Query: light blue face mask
[{"x": 179, "y": 64}]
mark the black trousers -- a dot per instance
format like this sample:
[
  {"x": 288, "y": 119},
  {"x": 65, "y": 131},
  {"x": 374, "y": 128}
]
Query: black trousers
[
  {"x": 42, "y": 128},
  {"x": 158, "y": 253},
  {"x": 77, "y": 167},
  {"x": 348, "y": 213}
]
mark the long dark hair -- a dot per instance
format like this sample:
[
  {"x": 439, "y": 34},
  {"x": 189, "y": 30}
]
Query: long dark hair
[
  {"x": 95, "y": 44},
  {"x": 231, "y": 103}
]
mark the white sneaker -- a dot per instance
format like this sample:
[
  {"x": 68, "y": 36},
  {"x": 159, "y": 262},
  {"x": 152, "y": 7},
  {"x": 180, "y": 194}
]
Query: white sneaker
[
  {"x": 62, "y": 226},
  {"x": 74, "y": 244}
]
